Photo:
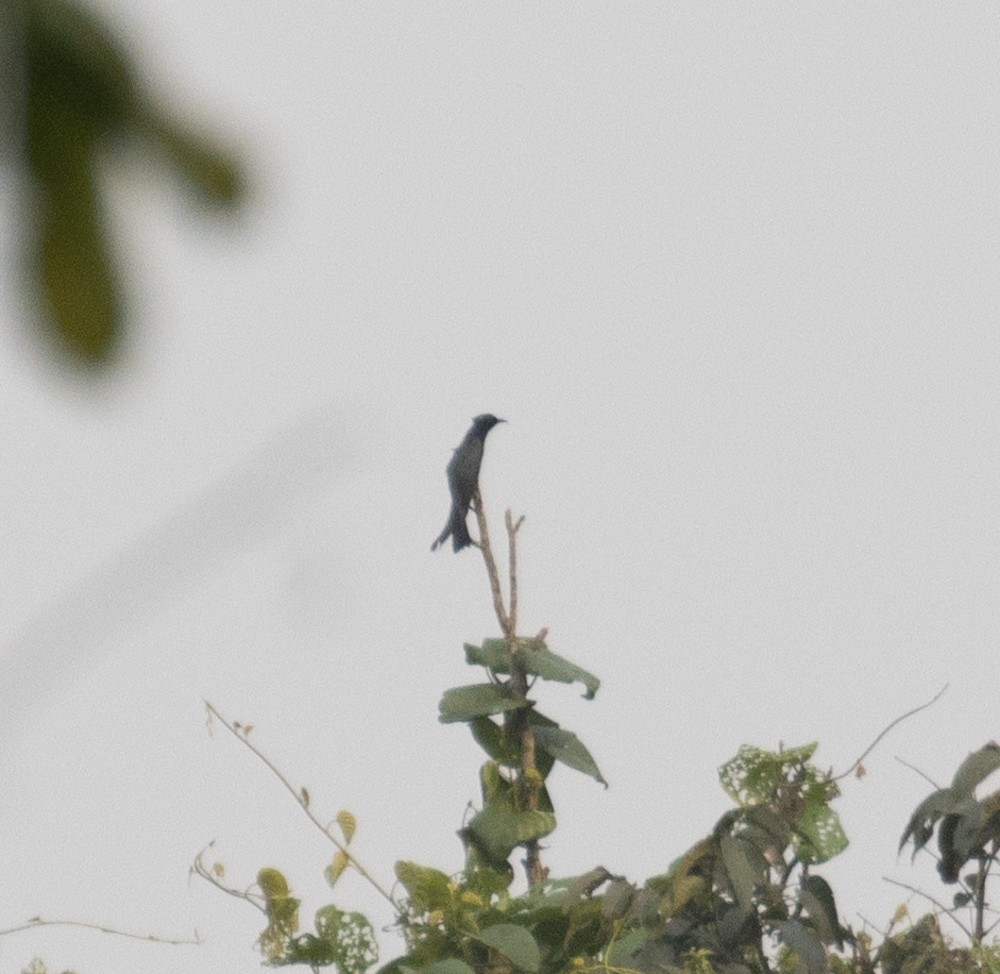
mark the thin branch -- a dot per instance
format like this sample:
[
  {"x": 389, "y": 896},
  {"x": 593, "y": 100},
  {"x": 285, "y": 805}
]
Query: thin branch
[
  {"x": 929, "y": 898},
  {"x": 199, "y": 869},
  {"x": 83, "y": 925},
  {"x": 916, "y": 770},
  {"x": 871, "y": 747},
  {"x": 491, "y": 569},
  {"x": 512, "y": 529},
  {"x": 302, "y": 803}
]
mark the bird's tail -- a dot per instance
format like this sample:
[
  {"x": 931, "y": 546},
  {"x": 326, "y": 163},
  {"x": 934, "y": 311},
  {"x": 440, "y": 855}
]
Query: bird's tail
[{"x": 460, "y": 537}]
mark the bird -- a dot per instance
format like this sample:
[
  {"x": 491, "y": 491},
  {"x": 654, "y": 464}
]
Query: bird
[{"x": 463, "y": 479}]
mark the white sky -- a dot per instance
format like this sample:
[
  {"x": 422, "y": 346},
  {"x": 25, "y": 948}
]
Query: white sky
[{"x": 730, "y": 272}]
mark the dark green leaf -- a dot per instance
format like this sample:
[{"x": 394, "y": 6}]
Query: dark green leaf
[
  {"x": 823, "y": 902},
  {"x": 617, "y": 899},
  {"x": 585, "y": 885},
  {"x": 210, "y": 172},
  {"x": 490, "y": 737},
  {"x": 623, "y": 950},
  {"x": 451, "y": 966},
  {"x": 478, "y": 700},
  {"x": 977, "y": 766},
  {"x": 935, "y": 805},
  {"x": 796, "y": 936},
  {"x": 515, "y": 943},
  {"x": 966, "y": 837},
  {"x": 567, "y": 748},
  {"x": 499, "y": 829},
  {"x": 744, "y": 875},
  {"x": 538, "y": 661}
]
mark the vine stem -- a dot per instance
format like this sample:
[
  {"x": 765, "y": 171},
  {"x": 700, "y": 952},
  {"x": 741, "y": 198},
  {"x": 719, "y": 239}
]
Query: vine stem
[
  {"x": 937, "y": 903},
  {"x": 297, "y": 794},
  {"x": 35, "y": 922},
  {"x": 871, "y": 747}
]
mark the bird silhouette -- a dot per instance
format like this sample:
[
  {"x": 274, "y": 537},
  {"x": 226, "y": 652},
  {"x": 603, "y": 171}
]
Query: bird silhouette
[{"x": 463, "y": 479}]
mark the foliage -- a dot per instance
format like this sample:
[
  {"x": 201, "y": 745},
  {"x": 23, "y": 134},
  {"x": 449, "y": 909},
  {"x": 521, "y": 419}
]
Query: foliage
[
  {"x": 745, "y": 899},
  {"x": 968, "y": 831},
  {"x": 78, "y": 101}
]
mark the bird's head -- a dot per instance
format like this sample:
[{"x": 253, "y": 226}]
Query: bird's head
[{"x": 485, "y": 422}]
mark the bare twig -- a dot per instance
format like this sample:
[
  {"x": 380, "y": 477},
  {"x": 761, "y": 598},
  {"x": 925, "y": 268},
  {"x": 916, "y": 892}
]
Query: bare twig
[
  {"x": 200, "y": 869},
  {"x": 871, "y": 747},
  {"x": 300, "y": 800},
  {"x": 491, "y": 569},
  {"x": 512, "y": 529},
  {"x": 35, "y": 922},
  {"x": 916, "y": 770},
  {"x": 929, "y": 898}
]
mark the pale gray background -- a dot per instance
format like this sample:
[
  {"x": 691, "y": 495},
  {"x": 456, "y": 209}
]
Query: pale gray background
[{"x": 730, "y": 271}]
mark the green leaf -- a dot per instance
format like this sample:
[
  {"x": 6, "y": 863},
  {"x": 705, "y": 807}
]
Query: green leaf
[
  {"x": 818, "y": 901},
  {"x": 538, "y": 661},
  {"x": 490, "y": 737},
  {"x": 744, "y": 876},
  {"x": 625, "y": 948},
  {"x": 212, "y": 173},
  {"x": 75, "y": 268},
  {"x": 351, "y": 939},
  {"x": 478, "y": 700},
  {"x": 936, "y": 804},
  {"x": 428, "y": 889},
  {"x": 796, "y": 936},
  {"x": 977, "y": 766},
  {"x": 966, "y": 836},
  {"x": 499, "y": 829},
  {"x": 515, "y": 943},
  {"x": 752, "y": 777},
  {"x": 450, "y": 966},
  {"x": 567, "y": 748},
  {"x": 820, "y": 836}
]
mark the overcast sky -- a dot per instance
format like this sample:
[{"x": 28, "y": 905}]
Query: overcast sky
[{"x": 730, "y": 272}]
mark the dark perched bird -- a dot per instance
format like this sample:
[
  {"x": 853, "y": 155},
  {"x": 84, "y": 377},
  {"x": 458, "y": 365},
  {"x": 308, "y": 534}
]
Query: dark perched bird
[{"x": 463, "y": 478}]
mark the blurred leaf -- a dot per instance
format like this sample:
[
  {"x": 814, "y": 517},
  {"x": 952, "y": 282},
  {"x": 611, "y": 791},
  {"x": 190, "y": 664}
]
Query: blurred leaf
[
  {"x": 82, "y": 102},
  {"x": 211, "y": 173}
]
